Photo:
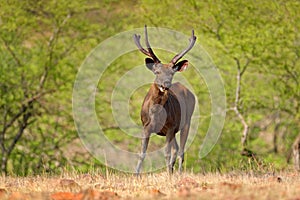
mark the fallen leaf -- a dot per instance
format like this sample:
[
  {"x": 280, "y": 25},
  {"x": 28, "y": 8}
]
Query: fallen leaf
[
  {"x": 63, "y": 196},
  {"x": 19, "y": 196},
  {"x": 3, "y": 193},
  {"x": 184, "y": 192},
  {"x": 232, "y": 186},
  {"x": 156, "y": 192},
  {"x": 97, "y": 195},
  {"x": 69, "y": 184},
  {"x": 187, "y": 182}
]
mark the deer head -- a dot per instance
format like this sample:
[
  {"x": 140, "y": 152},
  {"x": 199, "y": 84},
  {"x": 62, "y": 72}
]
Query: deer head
[{"x": 164, "y": 72}]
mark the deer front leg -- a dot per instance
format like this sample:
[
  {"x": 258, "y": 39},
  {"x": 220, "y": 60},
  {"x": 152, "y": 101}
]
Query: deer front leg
[
  {"x": 170, "y": 161},
  {"x": 145, "y": 142},
  {"x": 183, "y": 137}
]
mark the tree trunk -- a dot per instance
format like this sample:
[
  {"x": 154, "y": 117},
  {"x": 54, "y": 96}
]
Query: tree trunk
[
  {"x": 4, "y": 164},
  {"x": 240, "y": 72},
  {"x": 296, "y": 153}
]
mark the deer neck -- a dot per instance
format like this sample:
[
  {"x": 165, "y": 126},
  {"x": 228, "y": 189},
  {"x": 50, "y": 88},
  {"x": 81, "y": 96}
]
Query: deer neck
[{"x": 159, "y": 97}]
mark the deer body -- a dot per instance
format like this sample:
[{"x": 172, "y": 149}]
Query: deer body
[
  {"x": 162, "y": 111},
  {"x": 167, "y": 107}
]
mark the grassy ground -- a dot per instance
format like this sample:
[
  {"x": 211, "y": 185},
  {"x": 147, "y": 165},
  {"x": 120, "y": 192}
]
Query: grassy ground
[{"x": 153, "y": 186}]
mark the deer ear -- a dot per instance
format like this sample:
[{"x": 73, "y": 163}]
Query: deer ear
[
  {"x": 181, "y": 66},
  {"x": 149, "y": 63}
]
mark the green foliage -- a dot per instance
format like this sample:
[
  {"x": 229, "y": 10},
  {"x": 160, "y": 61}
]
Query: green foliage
[{"x": 43, "y": 43}]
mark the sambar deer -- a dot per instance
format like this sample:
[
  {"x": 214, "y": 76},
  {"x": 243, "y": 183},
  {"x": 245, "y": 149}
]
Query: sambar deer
[{"x": 167, "y": 108}]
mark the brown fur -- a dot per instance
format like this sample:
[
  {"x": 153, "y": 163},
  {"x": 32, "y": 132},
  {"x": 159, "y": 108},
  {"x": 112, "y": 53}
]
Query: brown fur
[
  {"x": 167, "y": 107},
  {"x": 178, "y": 106}
]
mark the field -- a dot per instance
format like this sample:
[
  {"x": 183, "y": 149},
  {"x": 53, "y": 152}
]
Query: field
[{"x": 285, "y": 185}]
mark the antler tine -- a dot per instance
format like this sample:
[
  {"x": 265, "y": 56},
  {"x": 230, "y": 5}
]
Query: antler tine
[
  {"x": 136, "y": 39},
  {"x": 149, "y": 47},
  {"x": 192, "y": 42},
  {"x": 150, "y": 52}
]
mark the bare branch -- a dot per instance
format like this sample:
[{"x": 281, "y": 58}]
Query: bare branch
[
  {"x": 10, "y": 123},
  {"x": 12, "y": 53},
  {"x": 238, "y": 84},
  {"x": 22, "y": 126},
  {"x": 237, "y": 100},
  {"x": 37, "y": 96},
  {"x": 23, "y": 109},
  {"x": 51, "y": 44},
  {"x": 3, "y": 132}
]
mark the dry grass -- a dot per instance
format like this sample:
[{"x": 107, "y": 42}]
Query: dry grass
[{"x": 149, "y": 186}]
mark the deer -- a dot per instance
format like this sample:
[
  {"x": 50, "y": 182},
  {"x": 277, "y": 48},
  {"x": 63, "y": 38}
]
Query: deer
[{"x": 168, "y": 107}]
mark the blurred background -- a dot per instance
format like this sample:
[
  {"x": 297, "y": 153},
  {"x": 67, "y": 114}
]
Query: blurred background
[{"x": 254, "y": 44}]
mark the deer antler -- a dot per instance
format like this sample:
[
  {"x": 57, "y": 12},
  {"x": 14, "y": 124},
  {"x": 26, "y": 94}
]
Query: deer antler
[
  {"x": 192, "y": 42},
  {"x": 149, "y": 53}
]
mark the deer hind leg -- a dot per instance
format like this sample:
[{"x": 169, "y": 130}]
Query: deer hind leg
[
  {"x": 183, "y": 137},
  {"x": 145, "y": 142}
]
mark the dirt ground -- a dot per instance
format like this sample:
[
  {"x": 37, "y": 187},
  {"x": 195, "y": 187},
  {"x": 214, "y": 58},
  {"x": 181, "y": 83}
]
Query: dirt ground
[{"x": 153, "y": 186}]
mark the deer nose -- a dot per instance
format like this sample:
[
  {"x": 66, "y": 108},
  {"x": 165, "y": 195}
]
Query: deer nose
[{"x": 167, "y": 84}]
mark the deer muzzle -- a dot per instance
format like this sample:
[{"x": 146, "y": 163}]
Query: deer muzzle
[
  {"x": 162, "y": 88},
  {"x": 166, "y": 85}
]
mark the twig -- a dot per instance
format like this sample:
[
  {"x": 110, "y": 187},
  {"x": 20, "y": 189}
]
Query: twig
[
  {"x": 12, "y": 53},
  {"x": 51, "y": 43}
]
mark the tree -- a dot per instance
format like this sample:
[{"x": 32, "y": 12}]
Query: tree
[{"x": 38, "y": 62}]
